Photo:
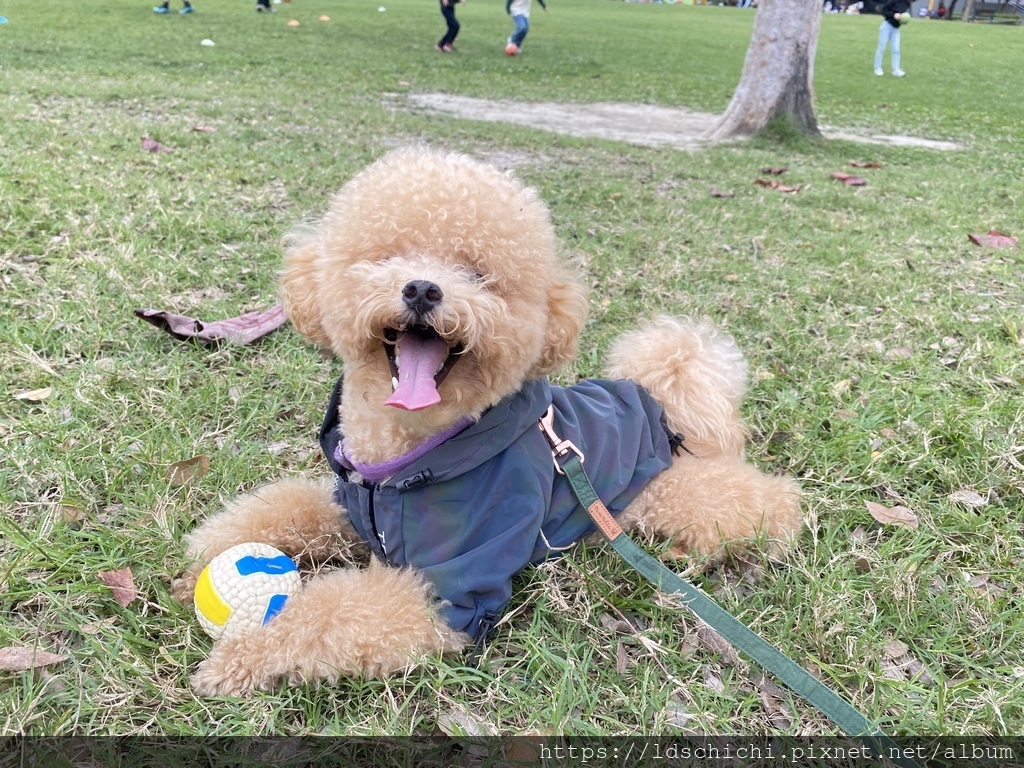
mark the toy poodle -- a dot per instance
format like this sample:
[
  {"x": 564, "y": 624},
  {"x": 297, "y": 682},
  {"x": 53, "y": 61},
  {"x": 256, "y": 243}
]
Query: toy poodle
[{"x": 438, "y": 282}]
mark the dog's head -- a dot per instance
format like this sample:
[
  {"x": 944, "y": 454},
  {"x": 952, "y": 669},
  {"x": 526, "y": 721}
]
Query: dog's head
[{"x": 437, "y": 280}]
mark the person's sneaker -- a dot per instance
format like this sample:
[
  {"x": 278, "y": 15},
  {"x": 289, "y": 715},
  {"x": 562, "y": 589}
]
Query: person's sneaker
[
  {"x": 161, "y": 9},
  {"x": 878, "y": 71},
  {"x": 440, "y": 48},
  {"x": 264, "y": 9},
  {"x": 898, "y": 73},
  {"x": 187, "y": 9},
  {"x": 449, "y": 48}
]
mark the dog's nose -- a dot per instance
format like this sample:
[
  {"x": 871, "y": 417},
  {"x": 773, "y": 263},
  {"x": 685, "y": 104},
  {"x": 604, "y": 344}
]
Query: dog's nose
[{"x": 421, "y": 296}]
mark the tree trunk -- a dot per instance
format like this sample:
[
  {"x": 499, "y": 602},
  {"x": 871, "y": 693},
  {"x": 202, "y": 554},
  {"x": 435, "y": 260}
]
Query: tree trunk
[
  {"x": 968, "y": 11},
  {"x": 777, "y": 73}
]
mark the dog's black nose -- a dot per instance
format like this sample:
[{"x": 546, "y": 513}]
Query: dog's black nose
[{"x": 421, "y": 296}]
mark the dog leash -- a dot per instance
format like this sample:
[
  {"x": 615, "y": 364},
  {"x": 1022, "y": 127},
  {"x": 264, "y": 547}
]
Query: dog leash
[{"x": 568, "y": 461}]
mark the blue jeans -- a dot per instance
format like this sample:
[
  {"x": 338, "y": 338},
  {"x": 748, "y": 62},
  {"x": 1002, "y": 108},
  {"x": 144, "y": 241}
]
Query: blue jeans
[
  {"x": 888, "y": 35},
  {"x": 522, "y": 27}
]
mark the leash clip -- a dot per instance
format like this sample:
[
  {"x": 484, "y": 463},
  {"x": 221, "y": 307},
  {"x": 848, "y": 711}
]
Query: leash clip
[{"x": 559, "y": 447}]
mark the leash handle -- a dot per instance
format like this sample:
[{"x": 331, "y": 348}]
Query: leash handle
[{"x": 787, "y": 671}]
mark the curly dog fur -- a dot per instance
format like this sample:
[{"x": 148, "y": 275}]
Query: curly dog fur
[{"x": 509, "y": 310}]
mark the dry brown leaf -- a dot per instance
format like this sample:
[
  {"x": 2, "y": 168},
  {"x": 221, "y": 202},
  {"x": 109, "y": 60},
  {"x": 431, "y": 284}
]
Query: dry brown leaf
[
  {"x": 621, "y": 658},
  {"x": 772, "y": 184},
  {"x": 718, "y": 193},
  {"x": 899, "y": 516},
  {"x": 852, "y": 181},
  {"x": 121, "y": 583},
  {"x": 775, "y": 171},
  {"x": 18, "y": 659},
  {"x": 861, "y": 164},
  {"x": 968, "y": 498},
  {"x": 845, "y": 414},
  {"x": 894, "y": 649},
  {"x": 994, "y": 239},
  {"x": 181, "y": 472},
  {"x": 714, "y": 642},
  {"x": 204, "y": 129},
  {"x": 458, "y": 722},
  {"x": 34, "y": 395}
]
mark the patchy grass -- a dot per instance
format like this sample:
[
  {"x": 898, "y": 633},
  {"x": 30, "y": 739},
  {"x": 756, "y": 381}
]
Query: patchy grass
[{"x": 885, "y": 352}]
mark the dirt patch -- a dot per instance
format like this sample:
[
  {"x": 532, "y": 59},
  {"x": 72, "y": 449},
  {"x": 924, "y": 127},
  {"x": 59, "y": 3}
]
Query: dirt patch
[{"x": 642, "y": 124}]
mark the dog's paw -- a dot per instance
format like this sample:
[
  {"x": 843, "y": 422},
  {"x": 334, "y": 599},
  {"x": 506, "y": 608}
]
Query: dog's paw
[
  {"x": 228, "y": 672},
  {"x": 183, "y": 588}
]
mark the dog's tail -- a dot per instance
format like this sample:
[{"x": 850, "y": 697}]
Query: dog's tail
[{"x": 696, "y": 372}]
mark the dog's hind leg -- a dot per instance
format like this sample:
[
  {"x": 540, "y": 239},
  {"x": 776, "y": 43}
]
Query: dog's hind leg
[
  {"x": 696, "y": 372},
  {"x": 351, "y": 622},
  {"x": 297, "y": 516},
  {"x": 708, "y": 506}
]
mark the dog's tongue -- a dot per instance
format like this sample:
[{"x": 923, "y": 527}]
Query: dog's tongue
[{"x": 418, "y": 361}]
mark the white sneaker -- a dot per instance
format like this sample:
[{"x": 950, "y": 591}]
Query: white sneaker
[
  {"x": 878, "y": 71},
  {"x": 898, "y": 73}
]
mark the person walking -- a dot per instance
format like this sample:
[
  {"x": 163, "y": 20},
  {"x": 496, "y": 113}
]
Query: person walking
[
  {"x": 519, "y": 10},
  {"x": 166, "y": 8},
  {"x": 895, "y": 13},
  {"x": 446, "y": 43}
]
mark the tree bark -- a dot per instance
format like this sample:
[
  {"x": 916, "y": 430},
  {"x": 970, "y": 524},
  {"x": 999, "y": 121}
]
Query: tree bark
[{"x": 777, "y": 73}]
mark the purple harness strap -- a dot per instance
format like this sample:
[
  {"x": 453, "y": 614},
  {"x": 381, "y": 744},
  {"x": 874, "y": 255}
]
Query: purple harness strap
[{"x": 385, "y": 469}]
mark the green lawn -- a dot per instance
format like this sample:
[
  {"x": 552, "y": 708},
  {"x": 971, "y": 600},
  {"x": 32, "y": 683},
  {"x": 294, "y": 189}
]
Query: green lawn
[{"x": 885, "y": 349}]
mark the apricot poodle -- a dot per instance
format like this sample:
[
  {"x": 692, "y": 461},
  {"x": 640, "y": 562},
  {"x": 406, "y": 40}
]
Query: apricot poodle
[{"x": 438, "y": 282}]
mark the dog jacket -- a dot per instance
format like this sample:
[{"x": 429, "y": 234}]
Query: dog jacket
[{"x": 487, "y": 502}]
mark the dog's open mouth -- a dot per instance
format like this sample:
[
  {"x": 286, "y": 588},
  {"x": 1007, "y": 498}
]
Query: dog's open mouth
[{"x": 419, "y": 360}]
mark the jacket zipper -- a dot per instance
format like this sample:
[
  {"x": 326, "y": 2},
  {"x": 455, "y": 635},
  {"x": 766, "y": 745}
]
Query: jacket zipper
[{"x": 373, "y": 522}]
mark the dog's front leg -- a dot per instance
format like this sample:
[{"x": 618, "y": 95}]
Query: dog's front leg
[
  {"x": 351, "y": 622},
  {"x": 297, "y": 516}
]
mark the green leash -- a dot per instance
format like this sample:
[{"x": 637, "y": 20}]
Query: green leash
[{"x": 569, "y": 462}]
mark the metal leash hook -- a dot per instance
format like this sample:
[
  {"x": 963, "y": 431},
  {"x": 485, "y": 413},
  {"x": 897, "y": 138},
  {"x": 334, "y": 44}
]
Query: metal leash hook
[{"x": 559, "y": 447}]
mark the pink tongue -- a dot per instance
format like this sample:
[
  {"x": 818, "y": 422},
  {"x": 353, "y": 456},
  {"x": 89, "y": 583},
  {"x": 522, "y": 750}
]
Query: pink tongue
[{"x": 418, "y": 361}]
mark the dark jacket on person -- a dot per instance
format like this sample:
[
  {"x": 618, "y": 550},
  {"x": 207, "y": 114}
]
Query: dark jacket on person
[
  {"x": 486, "y": 503},
  {"x": 892, "y": 7}
]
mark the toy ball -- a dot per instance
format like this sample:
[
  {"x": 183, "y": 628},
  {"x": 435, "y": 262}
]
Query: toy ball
[
  {"x": 511, "y": 49},
  {"x": 243, "y": 588}
]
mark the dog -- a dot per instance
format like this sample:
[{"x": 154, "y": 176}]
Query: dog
[{"x": 439, "y": 282}]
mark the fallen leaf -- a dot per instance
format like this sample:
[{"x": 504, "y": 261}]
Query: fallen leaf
[
  {"x": 676, "y": 714},
  {"x": 121, "y": 584},
  {"x": 851, "y": 181},
  {"x": 968, "y": 498},
  {"x": 153, "y": 146},
  {"x": 861, "y": 164},
  {"x": 845, "y": 414},
  {"x": 714, "y": 642},
  {"x": 898, "y": 516},
  {"x": 775, "y": 171},
  {"x": 181, "y": 472},
  {"x": 293, "y": 23},
  {"x": 34, "y": 395},
  {"x": 616, "y": 625},
  {"x": 243, "y": 329},
  {"x": 994, "y": 239},
  {"x": 204, "y": 129},
  {"x": 325, "y": 17},
  {"x": 776, "y": 185},
  {"x": 718, "y": 193},
  {"x": 18, "y": 659},
  {"x": 461, "y": 723},
  {"x": 894, "y": 648},
  {"x": 621, "y": 659}
]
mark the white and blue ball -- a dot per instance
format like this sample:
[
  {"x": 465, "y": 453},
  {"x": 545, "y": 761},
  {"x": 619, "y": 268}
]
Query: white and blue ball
[{"x": 243, "y": 588}]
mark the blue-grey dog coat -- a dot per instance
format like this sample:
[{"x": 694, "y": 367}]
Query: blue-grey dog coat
[{"x": 486, "y": 503}]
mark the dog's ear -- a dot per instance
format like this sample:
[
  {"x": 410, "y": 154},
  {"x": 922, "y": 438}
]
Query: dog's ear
[
  {"x": 567, "y": 311},
  {"x": 298, "y": 288}
]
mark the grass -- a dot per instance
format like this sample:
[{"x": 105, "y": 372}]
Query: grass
[{"x": 885, "y": 353}]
